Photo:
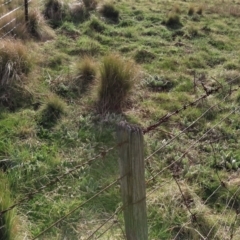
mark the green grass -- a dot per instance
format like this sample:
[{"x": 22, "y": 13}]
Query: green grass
[{"x": 50, "y": 121}]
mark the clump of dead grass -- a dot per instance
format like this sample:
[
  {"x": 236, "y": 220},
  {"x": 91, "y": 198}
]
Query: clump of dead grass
[
  {"x": 116, "y": 81},
  {"x": 15, "y": 64}
]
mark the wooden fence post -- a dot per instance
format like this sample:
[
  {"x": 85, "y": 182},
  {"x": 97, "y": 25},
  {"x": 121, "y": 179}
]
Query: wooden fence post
[
  {"x": 133, "y": 187},
  {"x": 26, "y": 10}
]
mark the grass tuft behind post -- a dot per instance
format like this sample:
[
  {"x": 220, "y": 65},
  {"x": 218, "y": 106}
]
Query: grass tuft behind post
[{"x": 116, "y": 81}]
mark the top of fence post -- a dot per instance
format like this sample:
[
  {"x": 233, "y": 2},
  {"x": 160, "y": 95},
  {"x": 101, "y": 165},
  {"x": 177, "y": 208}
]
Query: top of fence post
[{"x": 133, "y": 187}]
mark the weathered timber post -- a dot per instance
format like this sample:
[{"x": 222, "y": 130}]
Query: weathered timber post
[
  {"x": 133, "y": 187},
  {"x": 26, "y": 10}
]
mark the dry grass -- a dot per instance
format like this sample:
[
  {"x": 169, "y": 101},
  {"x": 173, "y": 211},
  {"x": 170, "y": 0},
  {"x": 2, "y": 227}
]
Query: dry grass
[
  {"x": 90, "y": 4},
  {"x": 117, "y": 77},
  {"x": 86, "y": 72},
  {"x": 15, "y": 65},
  {"x": 225, "y": 9}
]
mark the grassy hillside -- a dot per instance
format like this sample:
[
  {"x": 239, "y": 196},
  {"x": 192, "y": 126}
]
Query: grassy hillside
[{"x": 77, "y": 70}]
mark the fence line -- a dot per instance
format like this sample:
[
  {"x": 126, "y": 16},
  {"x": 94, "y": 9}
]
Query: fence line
[
  {"x": 117, "y": 211},
  {"x": 192, "y": 145},
  {"x": 14, "y": 10},
  {"x": 232, "y": 195},
  {"x": 28, "y": 196},
  {"x": 7, "y": 24},
  {"x": 185, "y": 129},
  {"x": 1, "y": 5},
  {"x": 25, "y": 5},
  {"x": 79, "y": 206},
  {"x": 10, "y": 31},
  {"x": 166, "y": 117}
]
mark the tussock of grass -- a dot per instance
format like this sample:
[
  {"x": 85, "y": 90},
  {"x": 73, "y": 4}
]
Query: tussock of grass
[
  {"x": 15, "y": 64},
  {"x": 55, "y": 11},
  {"x": 79, "y": 12},
  {"x": 90, "y": 4},
  {"x": 173, "y": 20},
  {"x": 115, "y": 83},
  {"x": 191, "y": 11},
  {"x": 86, "y": 72},
  {"x": 37, "y": 26},
  {"x": 51, "y": 111},
  {"x": 108, "y": 10},
  {"x": 96, "y": 25}
]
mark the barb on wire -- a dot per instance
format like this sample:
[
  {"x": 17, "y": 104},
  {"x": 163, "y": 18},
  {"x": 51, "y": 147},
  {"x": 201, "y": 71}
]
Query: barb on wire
[
  {"x": 79, "y": 206},
  {"x": 57, "y": 179},
  {"x": 5, "y": 3},
  {"x": 14, "y": 10},
  {"x": 166, "y": 117},
  {"x": 193, "y": 215},
  {"x": 192, "y": 145},
  {"x": 10, "y": 31},
  {"x": 185, "y": 129}
]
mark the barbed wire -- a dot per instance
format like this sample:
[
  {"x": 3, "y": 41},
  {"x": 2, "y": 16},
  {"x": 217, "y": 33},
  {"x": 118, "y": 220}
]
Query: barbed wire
[
  {"x": 7, "y": 24},
  {"x": 12, "y": 11},
  {"x": 192, "y": 145},
  {"x": 233, "y": 196},
  {"x": 167, "y": 116},
  {"x": 10, "y": 31},
  {"x": 30, "y": 195},
  {"x": 118, "y": 210},
  {"x": 185, "y": 129},
  {"x": 1, "y": 5},
  {"x": 79, "y": 206}
]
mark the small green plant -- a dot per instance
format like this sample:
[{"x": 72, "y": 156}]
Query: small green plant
[
  {"x": 108, "y": 10},
  {"x": 51, "y": 111},
  {"x": 86, "y": 72},
  {"x": 116, "y": 81},
  {"x": 158, "y": 83}
]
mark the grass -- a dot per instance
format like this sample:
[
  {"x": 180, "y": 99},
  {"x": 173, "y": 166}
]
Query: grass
[
  {"x": 108, "y": 10},
  {"x": 134, "y": 63},
  {"x": 8, "y": 222},
  {"x": 16, "y": 64},
  {"x": 86, "y": 72},
  {"x": 115, "y": 83},
  {"x": 51, "y": 111}
]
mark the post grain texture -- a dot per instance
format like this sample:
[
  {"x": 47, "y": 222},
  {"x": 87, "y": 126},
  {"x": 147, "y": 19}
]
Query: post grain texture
[{"x": 133, "y": 187}]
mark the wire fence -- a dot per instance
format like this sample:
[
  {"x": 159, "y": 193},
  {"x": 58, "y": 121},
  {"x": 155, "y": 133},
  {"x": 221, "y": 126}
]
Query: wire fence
[
  {"x": 13, "y": 15},
  {"x": 228, "y": 217}
]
